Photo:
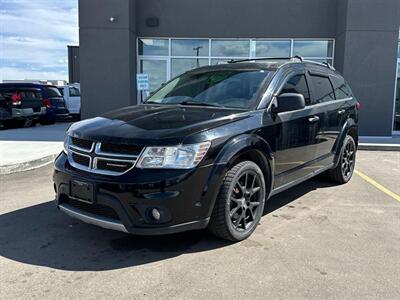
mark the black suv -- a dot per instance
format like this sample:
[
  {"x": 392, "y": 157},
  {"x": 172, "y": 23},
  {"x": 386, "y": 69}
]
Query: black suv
[{"x": 209, "y": 148}]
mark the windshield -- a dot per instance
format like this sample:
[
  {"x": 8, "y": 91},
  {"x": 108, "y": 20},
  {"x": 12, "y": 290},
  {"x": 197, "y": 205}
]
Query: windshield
[{"x": 225, "y": 88}]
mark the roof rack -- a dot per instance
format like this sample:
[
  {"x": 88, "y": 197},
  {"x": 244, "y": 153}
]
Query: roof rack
[
  {"x": 232, "y": 61},
  {"x": 323, "y": 63}
]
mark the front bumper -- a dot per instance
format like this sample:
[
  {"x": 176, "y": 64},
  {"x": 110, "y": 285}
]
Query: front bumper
[{"x": 184, "y": 198}]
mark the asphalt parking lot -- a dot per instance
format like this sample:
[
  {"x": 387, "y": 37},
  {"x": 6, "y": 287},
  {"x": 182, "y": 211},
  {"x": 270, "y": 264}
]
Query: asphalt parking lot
[{"x": 316, "y": 240}]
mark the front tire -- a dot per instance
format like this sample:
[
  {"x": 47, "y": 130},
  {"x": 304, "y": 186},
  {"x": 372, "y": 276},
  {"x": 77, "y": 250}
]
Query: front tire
[
  {"x": 343, "y": 172},
  {"x": 240, "y": 202}
]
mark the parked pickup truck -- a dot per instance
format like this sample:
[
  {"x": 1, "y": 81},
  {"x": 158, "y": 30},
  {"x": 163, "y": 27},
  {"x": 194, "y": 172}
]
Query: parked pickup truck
[
  {"x": 72, "y": 97},
  {"x": 20, "y": 105}
]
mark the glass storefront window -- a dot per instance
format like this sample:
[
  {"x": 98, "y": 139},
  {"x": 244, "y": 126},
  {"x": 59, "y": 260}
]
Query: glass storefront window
[
  {"x": 230, "y": 48},
  {"x": 165, "y": 58},
  {"x": 181, "y": 65},
  {"x": 313, "y": 49},
  {"x": 154, "y": 47},
  {"x": 186, "y": 47},
  {"x": 272, "y": 48},
  {"x": 157, "y": 71}
]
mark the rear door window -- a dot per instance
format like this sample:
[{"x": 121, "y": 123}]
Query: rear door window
[
  {"x": 52, "y": 92},
  {"x": 341, "y": 88},
  {"x": 297, "y": 84},
  {"x": 323, "y": 90}
]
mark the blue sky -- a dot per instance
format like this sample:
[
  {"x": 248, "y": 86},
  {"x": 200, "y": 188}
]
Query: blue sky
[{"x": 34, "y": 35}]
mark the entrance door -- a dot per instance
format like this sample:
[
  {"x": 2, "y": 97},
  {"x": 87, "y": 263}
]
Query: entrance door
[{"x": 157, "y": 69}]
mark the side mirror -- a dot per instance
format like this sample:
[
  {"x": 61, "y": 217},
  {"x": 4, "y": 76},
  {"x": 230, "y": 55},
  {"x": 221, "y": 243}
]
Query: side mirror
[{"x": 288, "y": 102}]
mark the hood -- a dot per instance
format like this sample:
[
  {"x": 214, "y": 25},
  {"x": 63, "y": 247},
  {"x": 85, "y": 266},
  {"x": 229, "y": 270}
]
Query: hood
[{"x": 148, "y": 124}]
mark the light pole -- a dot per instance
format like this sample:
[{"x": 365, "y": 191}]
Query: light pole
[{"x": 197, "y": 49}]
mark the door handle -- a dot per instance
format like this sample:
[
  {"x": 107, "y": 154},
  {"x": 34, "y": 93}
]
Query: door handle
[
  {"x": 341, "y": 112},
  {"x": 313, "y": 119}
]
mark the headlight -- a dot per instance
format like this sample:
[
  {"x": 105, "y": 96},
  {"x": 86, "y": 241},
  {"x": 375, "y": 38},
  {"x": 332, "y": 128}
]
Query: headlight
[{"x": 178, "y": 157}]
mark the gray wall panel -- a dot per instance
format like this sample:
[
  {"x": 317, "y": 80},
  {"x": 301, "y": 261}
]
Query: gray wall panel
[
  {"x": 238, "y": 18},
  {"x": 369, "y": 67}
]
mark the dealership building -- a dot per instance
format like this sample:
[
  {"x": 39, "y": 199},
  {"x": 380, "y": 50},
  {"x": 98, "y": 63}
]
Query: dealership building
[{"x": 163, "y": 38}]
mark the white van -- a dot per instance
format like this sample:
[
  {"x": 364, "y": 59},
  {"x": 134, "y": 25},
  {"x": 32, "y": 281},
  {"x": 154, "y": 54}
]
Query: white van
[{"x": 72, "y": 97}]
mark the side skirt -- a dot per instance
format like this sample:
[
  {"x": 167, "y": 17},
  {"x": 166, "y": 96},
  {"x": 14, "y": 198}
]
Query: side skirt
[{"x": 300, "y": 180}]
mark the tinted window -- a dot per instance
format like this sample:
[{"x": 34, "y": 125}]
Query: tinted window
[
  {"x": 74, "y": 92},
  {"x": 230, "y": 88},
  {"x": 30, "y": 94},
  {"x": 6, "y": 93},
  {"x": 52, "y": 92},
  {"x": 323, "y": 90},
  {"x": 341, "y": 88},
  {"x": 297, "y": 84},
  {"x": 61, "y": 90}
]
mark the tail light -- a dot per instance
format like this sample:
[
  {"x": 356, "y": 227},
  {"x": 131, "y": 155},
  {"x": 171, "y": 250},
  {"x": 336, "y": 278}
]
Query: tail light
[
  {"x": 47, "y": 103},
  {"x": 16, "y": 99},
  {"x": 358, "y": 105}
]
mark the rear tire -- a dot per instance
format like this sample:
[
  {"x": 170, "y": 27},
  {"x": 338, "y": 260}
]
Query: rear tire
[
  {"x": 240, "y": 202},
  {"x": 343, "y": 172}
]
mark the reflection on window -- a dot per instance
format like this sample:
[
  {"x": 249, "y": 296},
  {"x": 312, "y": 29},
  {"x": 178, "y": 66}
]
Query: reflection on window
[
  {"x": 298, "y": 85},
  {"x": 323, "y": 90},
  {"x": 181, "y": 65},
  {"x": 185, "y": 47},
  {"x": 153, "y": 47},
  {"x": 157, "y": 71},
  {"x": 230, "y": 48},
  {"x": 313, "y": 48},
  {"x": 272, "y": 48}
]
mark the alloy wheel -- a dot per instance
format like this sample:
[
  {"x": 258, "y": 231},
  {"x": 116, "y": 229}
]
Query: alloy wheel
[
  {"x": 244, "y": 205},
  {"x": 347, "y": 160}
]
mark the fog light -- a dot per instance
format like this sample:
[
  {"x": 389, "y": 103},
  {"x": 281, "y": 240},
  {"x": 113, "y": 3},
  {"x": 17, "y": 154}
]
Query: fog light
[{"x": 156, "y": 214}]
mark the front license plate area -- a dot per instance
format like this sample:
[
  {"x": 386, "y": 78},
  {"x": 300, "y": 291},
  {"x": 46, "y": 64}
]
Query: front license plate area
[{"x": 82, "y": 191}]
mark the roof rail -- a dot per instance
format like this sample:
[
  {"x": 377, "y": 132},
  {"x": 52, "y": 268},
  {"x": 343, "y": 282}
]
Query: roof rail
[
  {"x": 232, "y": 61},
  {"x": 323, "y": 63}
]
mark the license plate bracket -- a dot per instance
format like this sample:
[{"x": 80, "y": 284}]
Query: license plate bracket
[{"x": 82, "y": 191}]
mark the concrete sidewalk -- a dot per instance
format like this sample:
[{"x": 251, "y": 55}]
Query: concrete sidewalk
[
  {"x": 390, "y": 143},
  {"x": 23, "y": 149}
]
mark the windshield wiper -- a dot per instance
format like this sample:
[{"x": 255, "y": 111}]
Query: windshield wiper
[
  {"x": 198, "y": 104},
  {"x": 152, "y": 102}
]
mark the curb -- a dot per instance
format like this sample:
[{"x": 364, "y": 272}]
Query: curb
[
  {"x": 378, "y": 147},
  {"x": 29, "y": 165}
]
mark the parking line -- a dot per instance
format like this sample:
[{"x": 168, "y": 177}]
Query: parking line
[{"x": 378, "y": 185}]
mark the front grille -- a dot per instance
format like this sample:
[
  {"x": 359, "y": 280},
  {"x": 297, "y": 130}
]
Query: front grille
[
  {"x": 81, "y": 159},
  {"x": 81, "y": 143},
  {"x": 119, "y": 166},
  {"x": 102, "y": 158},
  {"x": 96, "y": 209},
  {"x": 121, "y": 148}
]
